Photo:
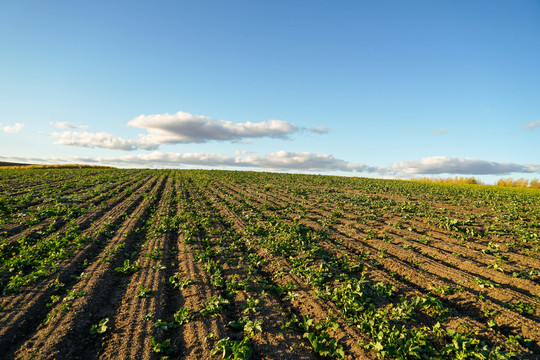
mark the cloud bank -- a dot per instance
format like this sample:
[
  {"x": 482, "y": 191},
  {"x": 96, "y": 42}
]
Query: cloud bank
[
  {"x": 179, "y": 128},
  {"x": 285, "y": 160},
  {"x": 277, "y": 161},
  {"x": 460, "y": 166},
  {"x": 297, "y": 161},
  {"x": 96, "y": 140}
]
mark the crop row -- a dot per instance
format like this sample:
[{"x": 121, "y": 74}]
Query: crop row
[{"x": 201, "y": 264}]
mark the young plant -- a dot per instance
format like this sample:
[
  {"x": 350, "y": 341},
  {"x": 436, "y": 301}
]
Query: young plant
[
  {"x": 177, "y": 282},
  {"x": 163, "y": 325},
  {"x": 250, "y": 327},
  {"x": 251, "y": 305},
  {"x": 446, "y": 289},
  {"x": 183, "y": 316},
  {"x": 384, "y": 289},
  {"x": 100, "y": 328},
  {"x": 214, "y": 305},
  {"x": 162, "y": 347},
  {"x": 143, "y": 292},
  {"x": 128, "y": 268},
  {"x": 522, "y": 307},
  {"x": 155, "y": 254},
  {"x": 231, "y": 349},
  {"x": 148, "y": 316},
  {"x": 57, "y": 285},
  {"x": 233, "y": 285},
  {"x": 483, "y": 283},
  {"x": 324, "y": 345}
]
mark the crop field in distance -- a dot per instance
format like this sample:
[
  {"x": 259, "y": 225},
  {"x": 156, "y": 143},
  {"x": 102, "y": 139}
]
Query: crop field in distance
[{"x": 204, "y": 264}]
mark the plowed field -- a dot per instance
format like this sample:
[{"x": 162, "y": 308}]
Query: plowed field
[{"x": 146, "y": 264}]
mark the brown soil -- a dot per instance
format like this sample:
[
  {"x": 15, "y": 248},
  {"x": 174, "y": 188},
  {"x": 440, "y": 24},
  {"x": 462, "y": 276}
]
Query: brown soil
[{"x": 170, "y": 219}]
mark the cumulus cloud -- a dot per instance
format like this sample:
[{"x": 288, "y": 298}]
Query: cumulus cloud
[
  {"x": 461, "y": 166},
  {"x": 12, "y": 129},
  {"x": 285, "y": 160},
  {"x": 180, "y": 128},
  {"x": 97, "y": 140},
  {"x": 184, "y": 127},
  {"x": 530, "y": 126},
  {"x": 439, "y": 132},
  {"x": 63, "y": 125}
]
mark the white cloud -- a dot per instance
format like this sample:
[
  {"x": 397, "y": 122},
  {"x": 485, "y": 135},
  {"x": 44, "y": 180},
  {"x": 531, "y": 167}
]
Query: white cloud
[
  {"x": 530, "y": 126},
  {"x": 294, "y": 161},
  {"x": 49, "y": 159},
  {"x": 439, "y": 132},
  {"x": 12, "y": 129},
  {"x": 284, "y": 160},
  {"x": 62, "y": 125},
  {"x": 321, "y": 129},
  {"x": 96, "y": 140},
  {"x": 184, "y": 127},
  {"x": 158, "y": 158},
  {"x": 450, "y": 165},
  {"x": 180, "y": 128},
  {"x": 281, "y": 161}
]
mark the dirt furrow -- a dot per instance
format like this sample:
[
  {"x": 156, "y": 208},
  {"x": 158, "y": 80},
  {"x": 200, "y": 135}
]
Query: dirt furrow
[
  {"x": 19, "y": 321},
  {"x": 465, "y": 267},
  {"x": 400, "y": 263},
  {"x": 144, "y": 295},
  {"x": 67, "y": 335},
  {"x": 306, "y": 303},
  {"x": 58, "y": 222}
]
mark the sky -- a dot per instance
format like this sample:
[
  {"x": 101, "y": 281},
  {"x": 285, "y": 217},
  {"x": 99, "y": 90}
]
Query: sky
[{"x": 386, "y": 89}]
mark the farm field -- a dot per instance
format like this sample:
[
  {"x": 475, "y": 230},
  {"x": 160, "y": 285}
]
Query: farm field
[{"x": 193, "y": 264}]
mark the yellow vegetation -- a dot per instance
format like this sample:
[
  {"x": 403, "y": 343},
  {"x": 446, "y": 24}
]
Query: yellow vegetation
[
  {"x": 509, "y": 182},
  {"x": 452, "y": 180},
  {"x": 520, "y": 183}
]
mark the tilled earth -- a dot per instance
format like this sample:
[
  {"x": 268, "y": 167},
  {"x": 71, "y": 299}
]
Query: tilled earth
[{"x": 212, "y": 264}]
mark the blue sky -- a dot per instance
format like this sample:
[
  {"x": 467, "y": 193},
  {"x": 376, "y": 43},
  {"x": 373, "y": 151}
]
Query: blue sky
[{"x": 364, "y": 88}]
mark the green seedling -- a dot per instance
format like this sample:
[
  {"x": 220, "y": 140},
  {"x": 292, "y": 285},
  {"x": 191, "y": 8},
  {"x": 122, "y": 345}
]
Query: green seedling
[
  {"x": 522, "y": 307},
  {"x": 143, "y": 292},
  {"x": 251, "y": 305},
  {"x": 484, "y": 283},
  {"x": 162, "y": 347},
  {"x": 128, "y": 268},
  {"x": 163, "y": 325},
  {"x": 178, "y": 282},
  {"x": 232, "y": 349},
  {"x": 214, "y": 305},
  {"x": 325, "y": 346},
  {"x": 148, "y": 316},
  {"x": 100, "y": 328},
  {"x": 183, "y": 316},
  {"x": 56, "y": 285}
]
